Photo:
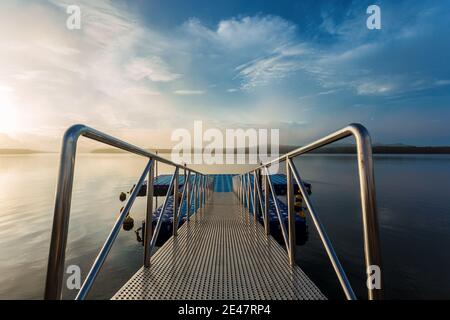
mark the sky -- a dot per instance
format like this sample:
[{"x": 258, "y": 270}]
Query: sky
[{"x": 139, "y": 69}]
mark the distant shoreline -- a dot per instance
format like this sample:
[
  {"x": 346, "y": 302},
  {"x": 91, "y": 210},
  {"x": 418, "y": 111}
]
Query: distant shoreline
[
  {"x": 387, "y": 150},
  {"x": 283, "y": 149},
  {"x": 20, "y": 151},
  {"x": 326, "y": 150}
]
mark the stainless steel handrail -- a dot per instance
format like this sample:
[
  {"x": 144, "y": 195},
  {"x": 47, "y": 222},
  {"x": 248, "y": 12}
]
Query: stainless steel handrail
[
  {"x": 258, "y": 191},
  {"x": 56, "y": 260},
  {"x": 345, "y": 283},
  {"x": 183, "y": 195},
  {"x": 92, "y": 275},
  {"x": 372, "y": 250},
  {"x": 277, "y": 209},
  {"x": 163, "y": 209}
]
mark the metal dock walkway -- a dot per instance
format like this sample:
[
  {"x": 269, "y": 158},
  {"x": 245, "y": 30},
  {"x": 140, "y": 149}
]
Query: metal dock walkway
[
  {"x": 221, "y": 245},
  {"x": 220, "y": 254}
]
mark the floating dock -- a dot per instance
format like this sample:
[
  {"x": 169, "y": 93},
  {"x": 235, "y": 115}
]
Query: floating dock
[{"x": 223, "y": 184}]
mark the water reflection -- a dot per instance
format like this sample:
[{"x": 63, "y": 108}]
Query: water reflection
[{"x": 412, "y": 198}]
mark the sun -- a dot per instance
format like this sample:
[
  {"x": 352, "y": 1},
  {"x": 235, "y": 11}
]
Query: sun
[{"x": 8, "y": 114}]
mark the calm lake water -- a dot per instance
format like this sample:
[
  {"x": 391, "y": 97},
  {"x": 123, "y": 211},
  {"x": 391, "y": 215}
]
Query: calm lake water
[{"x": 413, "y": 201}]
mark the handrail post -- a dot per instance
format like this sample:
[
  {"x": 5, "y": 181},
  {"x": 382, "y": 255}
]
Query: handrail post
[
  {"x": 277, "y": 209},
  {"x": 205, "y": 186},
  {"x": 372, "y": 250},
  {"x": 199, "y": 184},
  {"x": 259, "y": 204},
  {"x": 203, "y": 192},
  {"x": 188, "y": 197},
  {"x": 252, "y": 199},
  {"x": 266, "y": 203},
  {"x": 175, "y": 203},
  {"x": 255, "y": 204},
  {"x": 200, "y": 193},
  {"x": 210, "y": 180},
  {"x": 163, "y": 209},
  {"x": 185, "y": 173},
  {"x": 249, "y": 201},
  {"x": 196, "y": 194},
  {"x": 182, "y": 199},
  {"x": 208, "y": 183},
  {"x": 202, "y": 188},
  {"x": 291, "y": 213},
  {"x": 244, "y": 190},
  {"x": 60, "y": 228},
  {"x": 148, "y": 232},
  {"x": 241, "y": 179},
  {"x": 247, "y": 192},
  {"x": 238, "y": 191},
  {"x": 206, "y": 190},
  {"x": 239, "y": 188}
]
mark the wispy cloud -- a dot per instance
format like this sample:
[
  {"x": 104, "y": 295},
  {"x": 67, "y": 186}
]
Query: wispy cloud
[
  {"x": 189, "y": 92},
  {"x": 442, "y": 82},
  {"x": 258, "y": 33},
  {"x": 263, "y": 71},
  {"x": 151, "y": 68},
  {"x": 264, "y": 47}
]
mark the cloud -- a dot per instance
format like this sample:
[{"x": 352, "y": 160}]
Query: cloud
[
  {"x": 262, "y": 33},
  {"x": 321, "y": 93},
  {"x": 370, "y": 88},
  {"x": 151, "y": 68},
  {"x": 138, "y": 91},
  {"x": 189, "y": 92},
  {"x": 257, "y": 31},
  {"x": 263, "y": 48},
  {"x": 442, "y": 82},
  {"x": 265, "y": 70}
]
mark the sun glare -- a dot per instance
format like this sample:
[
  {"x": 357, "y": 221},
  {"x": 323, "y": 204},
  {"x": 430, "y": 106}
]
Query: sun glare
[{"x": 8, "y": 114}]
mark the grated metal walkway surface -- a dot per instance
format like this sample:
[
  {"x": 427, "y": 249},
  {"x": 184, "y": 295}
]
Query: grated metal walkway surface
[{"x": 220, "y": 254}]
